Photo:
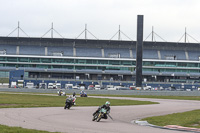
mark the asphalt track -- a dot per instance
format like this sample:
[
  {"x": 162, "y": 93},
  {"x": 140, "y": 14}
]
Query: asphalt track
[{"x": 79, "y": 119}]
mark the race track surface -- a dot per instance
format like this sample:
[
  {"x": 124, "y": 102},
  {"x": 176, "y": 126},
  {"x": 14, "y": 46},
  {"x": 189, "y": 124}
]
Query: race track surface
[{"x": 79, "y": 119}]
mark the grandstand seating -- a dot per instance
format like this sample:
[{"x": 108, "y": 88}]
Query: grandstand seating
[
  {"x": 96, "y": 52},
  {"x": 10, "y": 49},
  {"x": 150, "y": 54},
  {"x": 88, "y": 52},
  {"x": 193, "y": 55},
  {"x": 31, "y": 50},
  {"x": 174, "y": 54},
  {"x": 124, "y": 53},
  {"x": 67, "y": 51}
]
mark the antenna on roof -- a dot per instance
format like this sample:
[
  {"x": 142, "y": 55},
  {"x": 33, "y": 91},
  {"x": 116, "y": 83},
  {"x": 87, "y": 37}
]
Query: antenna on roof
[
  {"x": 153, "y": 36},
  {"x": 186, "y": 39},
  {"x": 185, "y": 35},
  {"x": 119, "y": 32},
  {"x": 85, "y": 30},
  {"x": 119, "y": 37},
  {"x": 18, "y": 31},
  {"x": 52, "y": 30}
]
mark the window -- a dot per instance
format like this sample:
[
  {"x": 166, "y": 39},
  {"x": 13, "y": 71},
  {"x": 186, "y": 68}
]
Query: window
[
  {"x": 12, "y": 59},
  {"x": 34, "y": 60},
  {"x": 23, "y": 59},
  {"x": 45, "y": 60}
]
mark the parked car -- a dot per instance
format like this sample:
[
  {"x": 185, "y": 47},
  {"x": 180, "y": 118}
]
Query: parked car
[{"x": 91, "y": 87}]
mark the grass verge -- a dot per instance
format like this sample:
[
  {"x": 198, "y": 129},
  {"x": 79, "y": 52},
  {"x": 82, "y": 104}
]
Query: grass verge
[
  {"x": 186, "y": 119},
  {"x": 26, "y": 100},
  {"x": 156, "y": 97},
  {"x": 7, "y": 129}
]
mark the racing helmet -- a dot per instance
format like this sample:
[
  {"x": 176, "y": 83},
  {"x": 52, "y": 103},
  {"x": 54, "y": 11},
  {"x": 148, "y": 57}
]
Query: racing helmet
[
  {"x": 107, "y": 103},
  {"x": 74, "y": 94}
]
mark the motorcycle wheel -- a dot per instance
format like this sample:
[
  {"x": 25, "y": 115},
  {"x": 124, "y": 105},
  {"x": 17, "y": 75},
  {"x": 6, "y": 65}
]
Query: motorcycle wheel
[
  {"x": 99, "y": 117},
  {"x": 94, "y": 117}
]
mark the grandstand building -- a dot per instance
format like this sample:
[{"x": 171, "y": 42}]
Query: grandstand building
[{"x": 98, "y": 60}]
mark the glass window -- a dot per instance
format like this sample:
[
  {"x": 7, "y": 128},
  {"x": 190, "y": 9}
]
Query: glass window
[
  {"x": 170, "y": 64},
  {"x": 23, "y": 59},
  {"x": 89, "y": 61},
  {"x": 2, "y": 58},
  {"x": 68, "y": 60},
  {"x": 160, "y": 64},
  {"x": 102, "y": 61},
  {"x": 57, "y": 66},
  {"x": 80, "y": 61},
  {"x": 68, "y": 67},
  {"x": 79, "y": 67},
  {"x": 134, "y": 63},
  {"x": 147, "y": 69},
  {"x": 148, "y": 63},
  {"x": 91, "y": 67},
  {"x": 57, "y": 60},
  {"x": 23, "y": 65},
  {"x": 193, "y": 71},
  {"x": 102, "y": 68},
  {"x": 45, "y": 60},
  {"x": 181, "y": 64},
  {"x": 43, "y": 66},
  {"x": 192, "y": 65},
  {"x": 11, "y": 65},
  {"x": 126, "y": 62},
  {"x": 12, "y": 59},
  {"x": 114, "y": 62},
  {"x": 34, "y": 60}
]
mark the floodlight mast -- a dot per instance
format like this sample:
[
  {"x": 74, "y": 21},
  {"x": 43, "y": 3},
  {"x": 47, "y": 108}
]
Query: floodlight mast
[{"x": 139, "y": 50}]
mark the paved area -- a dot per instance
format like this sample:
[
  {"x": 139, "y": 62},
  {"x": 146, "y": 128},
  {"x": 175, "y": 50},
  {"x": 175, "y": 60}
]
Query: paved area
[{"x": 79, "y": 119}]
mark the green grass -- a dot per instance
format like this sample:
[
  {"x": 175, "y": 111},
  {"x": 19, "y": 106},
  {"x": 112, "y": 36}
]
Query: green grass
[
  {"x": 186, "y": 119},
  {"x": 7, "y": 129},
  {"x": 4, "y": 80},
  {"x": 157, "y": 97},
  {"x": 26, "y": 100}
]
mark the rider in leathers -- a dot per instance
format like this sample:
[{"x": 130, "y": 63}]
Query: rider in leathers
[{"x": 105, "y": 106}]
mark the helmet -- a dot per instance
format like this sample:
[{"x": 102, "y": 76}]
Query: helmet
[
  {"x": 74, "y": 94},
  {"x": 107, "y": 103}
]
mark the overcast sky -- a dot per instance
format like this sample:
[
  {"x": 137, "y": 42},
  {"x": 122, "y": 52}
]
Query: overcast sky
[{"x": 103, "y": 17}]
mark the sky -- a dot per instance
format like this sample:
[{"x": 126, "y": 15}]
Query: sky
[{"x": 168, "y": 18}]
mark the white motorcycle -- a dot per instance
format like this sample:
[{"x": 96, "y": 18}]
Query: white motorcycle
[{"x": 61, "y": 93}]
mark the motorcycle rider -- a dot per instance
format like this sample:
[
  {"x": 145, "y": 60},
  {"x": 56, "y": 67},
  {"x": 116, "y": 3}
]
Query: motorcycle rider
[
  {"x": 60, "y": 92},
  {"x": 74, "y": 95},
  {"x": 105, "y": 106},
  {"x": 70, "y": 100},
  {"x": 83, "y": 94}
]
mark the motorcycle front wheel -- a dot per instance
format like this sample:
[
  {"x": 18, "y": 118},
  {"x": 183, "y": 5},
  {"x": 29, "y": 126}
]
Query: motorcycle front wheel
[{"x": 99, "y": 117}]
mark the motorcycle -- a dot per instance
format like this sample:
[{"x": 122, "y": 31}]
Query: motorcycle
[
  {"x": 83, "y": 94},
  {"x": 99, "y": 115},
  {"x": 61, "y": 93},
  {"x": 69, "y": 103}
]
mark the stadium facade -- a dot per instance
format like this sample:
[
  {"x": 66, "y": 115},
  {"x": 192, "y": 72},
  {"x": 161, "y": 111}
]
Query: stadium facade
[{"x": 94, "y": 61}]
